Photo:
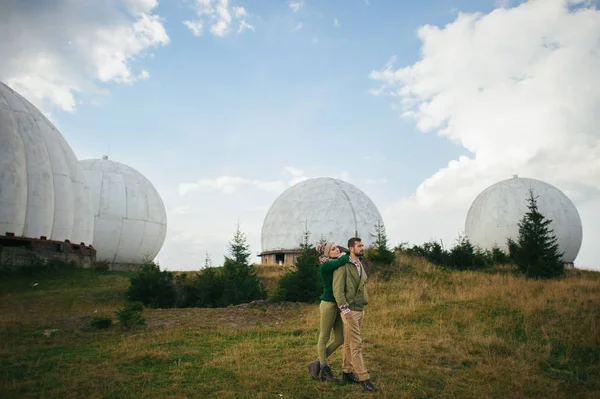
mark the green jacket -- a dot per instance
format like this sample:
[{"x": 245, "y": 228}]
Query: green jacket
[
  {"x": 326, "y": 269},
  {"x": 349, "y": 289}
]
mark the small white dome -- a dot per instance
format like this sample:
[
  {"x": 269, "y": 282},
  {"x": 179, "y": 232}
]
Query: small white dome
[
  {"x": 130, "y": 221},
  {"x": 495, "y": 214},
  {"x": 329, "y": 208},
  {"x": 43, "y": 191}
]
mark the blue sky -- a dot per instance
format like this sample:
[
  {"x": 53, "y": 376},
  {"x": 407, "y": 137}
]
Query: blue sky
[{"x": 297, "y": 91}]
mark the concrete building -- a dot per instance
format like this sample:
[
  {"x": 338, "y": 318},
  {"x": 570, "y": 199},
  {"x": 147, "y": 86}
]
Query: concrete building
[
  {"x": 328, "y": 208},
  {"x": 495, "y": 214},
  {"x": 130, "y": 221}
]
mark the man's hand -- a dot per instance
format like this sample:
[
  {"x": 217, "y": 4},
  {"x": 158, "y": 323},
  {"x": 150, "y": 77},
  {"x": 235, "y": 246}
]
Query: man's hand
[{"x": 346, "y": 312}]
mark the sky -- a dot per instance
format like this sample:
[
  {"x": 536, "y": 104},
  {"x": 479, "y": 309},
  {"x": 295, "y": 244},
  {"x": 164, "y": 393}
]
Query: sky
[{"x": 223, "y": 105}]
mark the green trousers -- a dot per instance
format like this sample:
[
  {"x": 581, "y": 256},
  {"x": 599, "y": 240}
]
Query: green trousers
[{"x": 331, "y": 319}]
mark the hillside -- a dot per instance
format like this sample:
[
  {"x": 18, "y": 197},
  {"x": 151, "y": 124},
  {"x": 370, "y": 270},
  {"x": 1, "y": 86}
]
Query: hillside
[{"x": 427, "y": 333}]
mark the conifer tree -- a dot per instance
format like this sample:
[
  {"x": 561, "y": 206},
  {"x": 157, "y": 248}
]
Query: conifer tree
[
  {"x": 536, "y": 250},
  {"x": 380, "y": 252},
  {"x": 207, "y": 260},
  {"x": 304, "y": 283},
  {"x": 241, "y": 285}
]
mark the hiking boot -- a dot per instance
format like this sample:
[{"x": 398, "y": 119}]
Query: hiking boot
[
  {"x": 368, "y": 386},
  {"x": 350, "y": 377},
  {"x": 327, "y": 375},
  {"x": 314, "y": 368}
]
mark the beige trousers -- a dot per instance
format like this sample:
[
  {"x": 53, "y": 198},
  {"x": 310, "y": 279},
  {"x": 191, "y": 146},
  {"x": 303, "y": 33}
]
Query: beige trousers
[{"x": 352, "y": 359}]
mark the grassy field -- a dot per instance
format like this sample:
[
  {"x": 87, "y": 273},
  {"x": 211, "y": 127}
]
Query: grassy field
[{"x": 427, "y": 334}]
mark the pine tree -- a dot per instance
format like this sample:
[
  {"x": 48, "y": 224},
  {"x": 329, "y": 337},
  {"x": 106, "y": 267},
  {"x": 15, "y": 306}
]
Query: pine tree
[
  {"x": 241, "y": 285},
  {"x": 536, "y": 249},
  {"x": 207, "y": 261},
  {"x": 304, "y": 283},
  {"x": 380, "y": 253}
]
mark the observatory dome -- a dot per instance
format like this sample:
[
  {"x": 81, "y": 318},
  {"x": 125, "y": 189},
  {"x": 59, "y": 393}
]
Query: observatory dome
[
  {"x": 495, "y": 214},
  {"x": 329, "y": 208},
  {"x": 130, "y": 221},
  {"x": 43, "y": 191}
]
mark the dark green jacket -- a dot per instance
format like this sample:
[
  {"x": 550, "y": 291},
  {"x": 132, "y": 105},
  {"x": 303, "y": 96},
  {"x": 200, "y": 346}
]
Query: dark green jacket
[
  {"x": 326, "y": 269},
  {"x": 349, "y": 288}
]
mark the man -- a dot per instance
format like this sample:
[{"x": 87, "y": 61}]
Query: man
[{"x": 350, "y": 292}]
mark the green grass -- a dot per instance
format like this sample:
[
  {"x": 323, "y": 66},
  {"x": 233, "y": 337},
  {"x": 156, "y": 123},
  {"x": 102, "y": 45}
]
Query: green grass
[{"x": 427, "y": 334}]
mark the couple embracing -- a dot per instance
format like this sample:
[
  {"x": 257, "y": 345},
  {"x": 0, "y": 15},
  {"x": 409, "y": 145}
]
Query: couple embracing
[{"x": 342, "y": 309}]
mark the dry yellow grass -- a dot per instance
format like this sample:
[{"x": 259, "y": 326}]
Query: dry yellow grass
[
  {"x": 270, "y": 275},
  {"x": 427, "y": 333}
]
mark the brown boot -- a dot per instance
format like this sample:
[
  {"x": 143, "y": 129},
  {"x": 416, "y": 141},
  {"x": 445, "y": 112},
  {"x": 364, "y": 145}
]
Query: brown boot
[
  {"x": 327, "y": 375},
  {"x": 314, "y": 368}
]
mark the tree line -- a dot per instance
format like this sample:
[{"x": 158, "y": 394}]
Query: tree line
[{"x": 535, "y": 254}]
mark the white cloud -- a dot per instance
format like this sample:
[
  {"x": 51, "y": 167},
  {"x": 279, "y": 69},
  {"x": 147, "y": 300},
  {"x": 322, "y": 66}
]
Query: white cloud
[
  {"x": 336, "y": 23},
  {"x": 195, "y": 27},
  {"x": 504, "y": 3},
  {"x": 381, "y": 180},
  {"x": 244, "y": 25},
  {"x": 519, "y": 88},
  {"x": 51, "y": 54},
  {"x": 298, "y": 27},
  {"x": 296, "y": 5},
  {"x": 220, "y": 15},
  {"x": 181, "y": 210},
  {"x": 232, "y": 184}
]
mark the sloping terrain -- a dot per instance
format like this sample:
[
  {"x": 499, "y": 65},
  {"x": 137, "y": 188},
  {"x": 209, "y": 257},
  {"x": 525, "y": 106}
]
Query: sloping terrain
[{"x": 427, "y": 333}]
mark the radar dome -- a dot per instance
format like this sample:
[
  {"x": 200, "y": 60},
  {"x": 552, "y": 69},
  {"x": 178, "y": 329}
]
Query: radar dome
[
  {"x": 495, "y": 214},
  {"x": 43, "y": 191},
  {"x": 329, "y": 208},
  {"x": 130, "y": 221}
]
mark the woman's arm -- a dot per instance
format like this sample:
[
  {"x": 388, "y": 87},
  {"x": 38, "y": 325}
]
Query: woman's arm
[{"x": 334, "y": 264}]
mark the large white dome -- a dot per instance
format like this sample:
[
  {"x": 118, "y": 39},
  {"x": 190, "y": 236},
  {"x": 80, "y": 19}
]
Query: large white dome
[
  {"x": 43, "y": 191},
  {"x": 330, "y": 208},
  {"x": 129, "y": 214},
  {"x": 495, "y": 214}
]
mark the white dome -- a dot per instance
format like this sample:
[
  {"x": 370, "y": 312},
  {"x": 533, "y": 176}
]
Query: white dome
[
  {"x": 130, "y": 221},
  {"x": 495, "y": 214},
  {"x": 330, "y": 208},
  {"x": 43, "y": 191}
]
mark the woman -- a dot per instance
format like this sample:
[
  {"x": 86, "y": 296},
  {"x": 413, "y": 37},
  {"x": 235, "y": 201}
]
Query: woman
[{"x": 331, "y": 319}]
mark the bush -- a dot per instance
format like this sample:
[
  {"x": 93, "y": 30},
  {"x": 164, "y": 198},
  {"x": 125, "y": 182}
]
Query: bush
[
  {"x": 152, "y": 287},
  {"x": 205, "y": 289},
  {"x": 100, "y": 322},
  {"x": 304, "y": 283},
  {"x": 130, "y": 314},
  {"x": 463, "y": 256}
]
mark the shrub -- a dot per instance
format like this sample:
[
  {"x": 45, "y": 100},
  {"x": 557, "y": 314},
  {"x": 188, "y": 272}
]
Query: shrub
[
  {"x": 303, "y": 284},
  {"x": 130, "y": 314},
  {"x": 99, "y": 322},
  {"x": 152, "y": 287},
  {"x": 205, "y": 289}
]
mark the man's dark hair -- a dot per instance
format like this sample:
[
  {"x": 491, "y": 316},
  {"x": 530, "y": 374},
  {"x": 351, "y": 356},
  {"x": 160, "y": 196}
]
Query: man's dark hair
[{"x": 352, "y": 241}]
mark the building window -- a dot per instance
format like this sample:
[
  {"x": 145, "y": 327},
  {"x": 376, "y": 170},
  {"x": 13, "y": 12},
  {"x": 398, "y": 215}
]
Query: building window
[{"x": 279, "y": 259}]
